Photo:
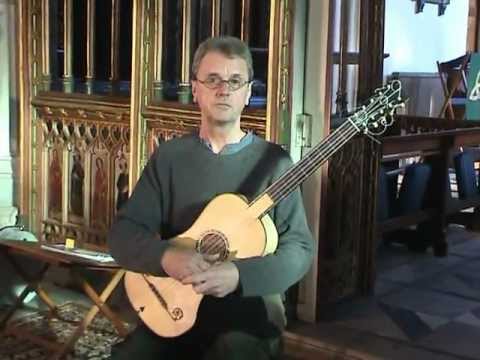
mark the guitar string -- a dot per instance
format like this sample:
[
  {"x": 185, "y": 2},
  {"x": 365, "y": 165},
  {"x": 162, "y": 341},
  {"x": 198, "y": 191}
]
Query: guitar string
[
  {"x": 288, "y": 181},
  {"x": 351, "y": 131},
  {"x": 331, "y": 136},
  {"x": 313, "y": 151},
  {"x": 281, "y": 188},
  {"x": 325, "y": 150},
  {"x": 370, "y": 109},
  {"x": 217, "y": 245},
  {"x": 366, "y": 110},
  {"x": 330, "y": 145}
]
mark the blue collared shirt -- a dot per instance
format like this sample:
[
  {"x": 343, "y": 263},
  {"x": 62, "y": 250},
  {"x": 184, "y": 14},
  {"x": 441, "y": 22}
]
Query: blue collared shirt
[{"x": 231, "y": 148}]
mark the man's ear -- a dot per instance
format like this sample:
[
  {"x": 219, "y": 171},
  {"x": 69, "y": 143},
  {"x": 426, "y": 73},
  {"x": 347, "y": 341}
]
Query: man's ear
[
  {"x": 194, "y": 90},
  {"x": 249, "y": 94}
]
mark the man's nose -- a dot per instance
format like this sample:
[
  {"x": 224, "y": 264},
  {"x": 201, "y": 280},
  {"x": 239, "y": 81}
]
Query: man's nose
[{"x": 223, "y": 88}]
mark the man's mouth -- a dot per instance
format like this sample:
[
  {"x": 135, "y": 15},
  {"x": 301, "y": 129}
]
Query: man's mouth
[{"x": 223, "y": 105}]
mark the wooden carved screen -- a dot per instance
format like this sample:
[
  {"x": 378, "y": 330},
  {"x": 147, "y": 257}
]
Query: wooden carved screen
[
  {"x": 102, "y": 82},
  {"x": 75, "y": 116},
  {"x": 166, "y": 41},
  {"x": 347, "y": 253},
  {"x": 84, "y": 155}
]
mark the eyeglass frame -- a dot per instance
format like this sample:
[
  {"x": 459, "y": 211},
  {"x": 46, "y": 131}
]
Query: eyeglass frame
[{"x": 222, "y": 81}]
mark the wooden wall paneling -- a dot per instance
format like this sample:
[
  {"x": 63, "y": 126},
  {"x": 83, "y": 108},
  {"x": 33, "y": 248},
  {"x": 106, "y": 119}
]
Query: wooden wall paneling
[
  {"x": 339, "y": 264},
  {"x": 318, "y": 66},
  {"x": 65, "y": 121},
  {"x": 278, "y": 99},
  {"x": 142, "y": 70},
  {"x": 347, "y": 257},
  {"x": 174, "y": 115},
  {"x": 473, "y": 27},
  {"x": 163, "y": 122},
  {"x": 33, "y": 62},
  {"x": 93, "y": 136},
  {"x": 372, "y": 23}
]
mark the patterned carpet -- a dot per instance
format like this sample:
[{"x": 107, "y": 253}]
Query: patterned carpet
[{"x": 95, "y": 344}]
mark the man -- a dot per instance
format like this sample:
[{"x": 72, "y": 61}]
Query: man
[{"x": 241, "y": 315}]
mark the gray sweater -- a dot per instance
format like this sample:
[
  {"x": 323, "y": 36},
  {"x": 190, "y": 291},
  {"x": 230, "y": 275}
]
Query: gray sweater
[{"x": 181, "y": 177}]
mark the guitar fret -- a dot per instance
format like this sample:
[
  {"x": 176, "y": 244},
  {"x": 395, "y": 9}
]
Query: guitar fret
[{"x": 306, "y": 166}]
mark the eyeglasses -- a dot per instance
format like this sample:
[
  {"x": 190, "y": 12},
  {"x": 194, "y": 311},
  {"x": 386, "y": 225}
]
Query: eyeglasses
[{"x": 214, "y": 82}]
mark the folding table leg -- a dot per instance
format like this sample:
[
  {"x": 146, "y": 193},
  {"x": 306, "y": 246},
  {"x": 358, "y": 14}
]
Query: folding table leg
[
  {"x": 99, "y": 305},
  {"x": 32, "y": 285},
  {"x": 100, "y": 301},
  {"x": 35, "y": 281}
]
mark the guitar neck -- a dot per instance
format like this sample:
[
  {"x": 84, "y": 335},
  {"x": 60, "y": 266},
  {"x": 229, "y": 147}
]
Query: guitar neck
[
  {"x": 371, "y": 119},
  {"x": 298, "y": 173}
]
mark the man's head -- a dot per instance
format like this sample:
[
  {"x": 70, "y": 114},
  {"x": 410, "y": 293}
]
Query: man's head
[
  {"x": 222, "y": 73},
  {"x": 229, "y": 46}
]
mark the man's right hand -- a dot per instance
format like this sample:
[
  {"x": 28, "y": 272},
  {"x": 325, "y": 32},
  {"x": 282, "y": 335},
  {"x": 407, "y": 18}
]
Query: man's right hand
[{"x": 179, "y": 263}]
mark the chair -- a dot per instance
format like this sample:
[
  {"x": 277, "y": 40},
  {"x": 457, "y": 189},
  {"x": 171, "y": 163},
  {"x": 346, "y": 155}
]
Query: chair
[
  {"x": 466, "y": 175},
  {"x": 453, "y": 77}
]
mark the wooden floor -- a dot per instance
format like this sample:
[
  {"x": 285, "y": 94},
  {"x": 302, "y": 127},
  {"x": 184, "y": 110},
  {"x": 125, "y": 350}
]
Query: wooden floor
[{"x": 301, "y": 347}]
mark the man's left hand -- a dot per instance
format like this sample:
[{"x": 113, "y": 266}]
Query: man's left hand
[{"x": 219, "y": 280}]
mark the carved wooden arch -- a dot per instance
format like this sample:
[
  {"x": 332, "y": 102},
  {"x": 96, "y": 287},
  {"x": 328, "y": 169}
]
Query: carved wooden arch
[{"x": 93, "y": 140}]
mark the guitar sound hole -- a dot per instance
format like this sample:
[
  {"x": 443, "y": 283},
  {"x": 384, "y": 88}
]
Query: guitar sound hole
[{"x": 212, "y": 243}]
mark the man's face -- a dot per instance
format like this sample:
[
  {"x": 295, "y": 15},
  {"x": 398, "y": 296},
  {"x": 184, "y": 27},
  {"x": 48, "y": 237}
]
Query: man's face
[{"x": 221, "y": 106}]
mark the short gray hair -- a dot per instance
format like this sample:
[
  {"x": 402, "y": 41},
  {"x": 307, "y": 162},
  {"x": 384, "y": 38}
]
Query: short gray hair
[{"x": 229, "y": 46}]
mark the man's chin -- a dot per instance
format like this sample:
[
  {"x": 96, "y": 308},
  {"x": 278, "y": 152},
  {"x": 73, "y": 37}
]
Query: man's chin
[{"x": 220, "y": 122}]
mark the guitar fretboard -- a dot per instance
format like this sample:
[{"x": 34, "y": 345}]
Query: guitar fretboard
[
  {"x": 310, "y": 162},
  {"x": 371, "y": 119}
]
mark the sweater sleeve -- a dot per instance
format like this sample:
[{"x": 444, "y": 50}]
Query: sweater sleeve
[
  {"x": 275, "y": 273},
  {"x": 134, "y": 240}
]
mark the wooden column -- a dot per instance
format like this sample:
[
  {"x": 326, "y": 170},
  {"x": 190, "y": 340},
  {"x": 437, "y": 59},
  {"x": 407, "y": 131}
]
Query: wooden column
[
  {"x": 47, "y": 78},
  {"x": 341, "y": 100},
  {"x": 158, "y": 52},
  {"x": 90, "y": 76},
  {"x": 473, "y": 29},
  {"x": 215, "y": 31},
  {"x": 68, "y": 46},
  {"x": 245, "y": 22},
  {"x": 372, "y": 29},
  {"x": 278, "y": 78},
  {"x": 114, "y": 43},
  {"x": 347, "y": 256},
  {"x": 372, "y": 25},
  {"x": 184, "y": 91}
]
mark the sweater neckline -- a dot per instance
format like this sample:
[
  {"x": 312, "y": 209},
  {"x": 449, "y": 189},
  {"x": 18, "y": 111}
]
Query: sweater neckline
[{"x": 228, "y": 149}]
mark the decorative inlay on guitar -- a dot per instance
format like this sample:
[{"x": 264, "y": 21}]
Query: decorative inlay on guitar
[{"x": 168, "y": 307}]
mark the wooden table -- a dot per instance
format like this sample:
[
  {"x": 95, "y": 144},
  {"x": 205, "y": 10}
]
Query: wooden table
[{"x": 76, "y": 265}]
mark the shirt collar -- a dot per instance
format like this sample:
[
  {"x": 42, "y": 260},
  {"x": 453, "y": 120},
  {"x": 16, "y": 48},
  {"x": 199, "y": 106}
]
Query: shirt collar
[{"x": 228, "y": 149}]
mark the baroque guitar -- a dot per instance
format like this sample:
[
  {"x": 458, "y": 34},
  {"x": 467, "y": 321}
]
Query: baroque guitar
[{"x": 168, "y": 307}]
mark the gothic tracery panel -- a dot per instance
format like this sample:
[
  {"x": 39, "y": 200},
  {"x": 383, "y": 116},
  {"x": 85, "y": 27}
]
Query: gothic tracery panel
[{"x": 85, "y": 172}]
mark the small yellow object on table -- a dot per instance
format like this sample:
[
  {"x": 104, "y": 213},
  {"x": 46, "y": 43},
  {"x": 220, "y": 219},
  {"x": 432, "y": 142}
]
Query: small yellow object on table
[{"x": 69, "y": 243}]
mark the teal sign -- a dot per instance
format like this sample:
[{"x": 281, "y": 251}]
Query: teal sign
[{"x": 473, "y": 93}]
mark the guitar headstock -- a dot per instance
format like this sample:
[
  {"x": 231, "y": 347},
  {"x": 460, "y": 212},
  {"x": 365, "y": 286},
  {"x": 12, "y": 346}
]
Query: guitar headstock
[{"x": 376, "y": 116}]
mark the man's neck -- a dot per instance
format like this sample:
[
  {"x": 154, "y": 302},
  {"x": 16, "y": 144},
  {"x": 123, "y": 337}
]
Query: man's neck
[{"x": 219, "y": 138}]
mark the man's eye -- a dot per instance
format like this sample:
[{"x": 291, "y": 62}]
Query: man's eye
[
  {"x": 212, "y": 80},
  {"x": 235, "y": 82}
]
